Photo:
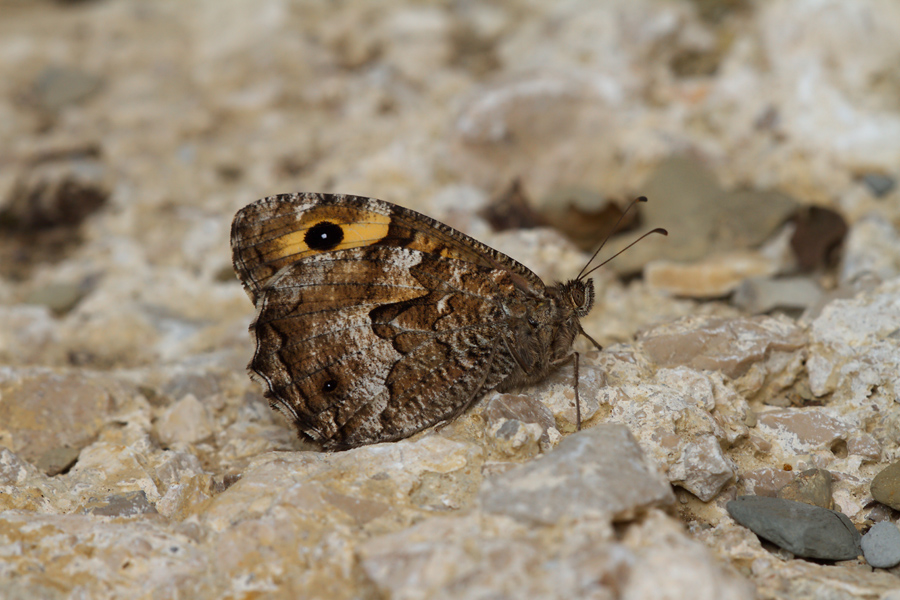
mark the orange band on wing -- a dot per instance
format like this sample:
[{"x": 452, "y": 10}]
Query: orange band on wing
[{"x": 367, "y": 228}]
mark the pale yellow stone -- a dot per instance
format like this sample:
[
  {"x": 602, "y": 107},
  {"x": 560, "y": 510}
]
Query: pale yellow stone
[{"x": 708, "y": 278}]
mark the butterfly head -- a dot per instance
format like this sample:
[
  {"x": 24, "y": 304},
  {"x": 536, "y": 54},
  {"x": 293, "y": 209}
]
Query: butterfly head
[{"x": 579, "y": 293}]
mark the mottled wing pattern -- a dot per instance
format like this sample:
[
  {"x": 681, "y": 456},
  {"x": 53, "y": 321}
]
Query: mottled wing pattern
[{"x": 396, "y": 328}]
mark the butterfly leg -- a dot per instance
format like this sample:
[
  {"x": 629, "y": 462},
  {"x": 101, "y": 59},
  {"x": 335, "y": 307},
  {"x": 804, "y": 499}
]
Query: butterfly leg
[
  {"x": 592, "y": 340},
  {"x": 577, "y": 403},
  {"x": 577, "y": 399},
  {"x": 572, "y": 357}
]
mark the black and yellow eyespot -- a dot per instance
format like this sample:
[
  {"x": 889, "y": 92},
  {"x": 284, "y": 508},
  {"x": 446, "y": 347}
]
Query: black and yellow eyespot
[{"x": 324, "y": 235}]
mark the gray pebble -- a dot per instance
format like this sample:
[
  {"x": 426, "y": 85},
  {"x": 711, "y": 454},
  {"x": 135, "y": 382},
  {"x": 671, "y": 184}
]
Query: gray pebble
[
  {"x": 810, "y": 487},
  {"x": 128, "y": 504},
  {"x": 57, "y": 87},
  {"x": 57, "y": 460},
  {"x": 762, "y": 294},
  {"x": 60, "y": 298},
  {"x": 878, "y": 184},
  {"x": 508, "y": 429},
  {"x": 802, "y": 529},
  {"x": 881, "y": 545},
  {"x": 886, "y": 486}
]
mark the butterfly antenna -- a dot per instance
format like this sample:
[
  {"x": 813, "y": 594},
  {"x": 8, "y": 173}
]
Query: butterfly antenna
[
  {"x": 611, "y": 233},
  {"x": 659, "y": 230}
]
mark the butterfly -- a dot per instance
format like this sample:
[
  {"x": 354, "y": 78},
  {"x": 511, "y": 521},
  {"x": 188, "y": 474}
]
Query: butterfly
[{"x": 374, "y": 322}]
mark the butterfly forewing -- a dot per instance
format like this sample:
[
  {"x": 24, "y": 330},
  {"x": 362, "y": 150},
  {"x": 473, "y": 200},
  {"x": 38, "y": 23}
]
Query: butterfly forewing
[{"x": 271, "y": 234}]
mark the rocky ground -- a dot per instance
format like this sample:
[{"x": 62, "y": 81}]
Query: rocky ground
[{"x": 758, "y": 354}]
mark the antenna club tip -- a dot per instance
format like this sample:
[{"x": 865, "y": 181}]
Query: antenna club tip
[
  {"x": 641, "y": 199},
  {"x": 662, "y": 231}
]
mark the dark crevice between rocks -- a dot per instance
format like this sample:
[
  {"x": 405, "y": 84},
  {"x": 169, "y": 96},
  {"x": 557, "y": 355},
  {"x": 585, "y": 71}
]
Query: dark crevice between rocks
[
  {"x": 818, "y": 238},
  {"x": 41, "y": 218},
  {"x": 839, "y": 449}
]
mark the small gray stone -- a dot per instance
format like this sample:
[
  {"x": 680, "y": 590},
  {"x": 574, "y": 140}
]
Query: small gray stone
[
  {"x": 57, "y": 460},
  {"x": 802, "y": 529},
  {"x": 57, "y": 87},
  {"x": 599, "y": 472},
  {"x": 879, "y": 184},
  {"x": 881, "y": 545},
  {"x": 762, "y": 294},
  {"x": 60, "y": 298},
  {"x": 121, "y": 505},
  {"x": 886, "y": 486},
  {"x": 508, "y": 429},
  {"x": 810, "y": 487}
]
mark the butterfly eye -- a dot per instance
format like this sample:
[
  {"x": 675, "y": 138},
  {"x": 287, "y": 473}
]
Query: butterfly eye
[
  {"x": 329, "y": 386},
  {"x": 578, "y": 296},
  {"x": 324, "y": 236}
]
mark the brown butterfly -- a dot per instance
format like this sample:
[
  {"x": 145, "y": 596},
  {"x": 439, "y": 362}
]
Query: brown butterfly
[{"x": 374, "y": 322}]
